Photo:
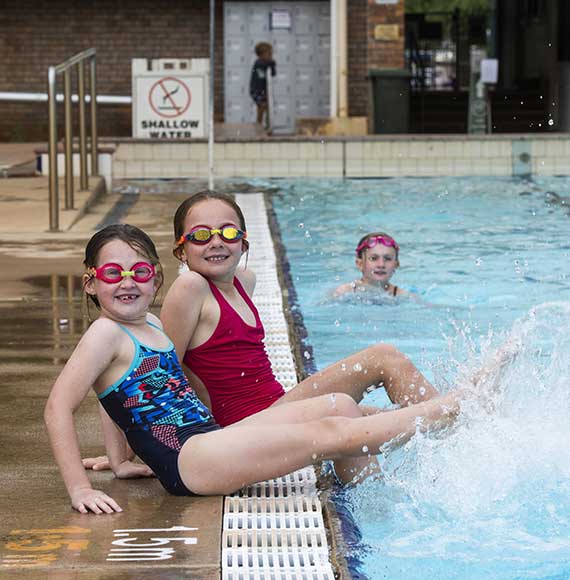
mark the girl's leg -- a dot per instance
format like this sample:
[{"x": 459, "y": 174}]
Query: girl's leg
[
  {"x": 223, "y": 461},
  {"x": 379, "y": 365},
  {"x": 348, "y": 470}
]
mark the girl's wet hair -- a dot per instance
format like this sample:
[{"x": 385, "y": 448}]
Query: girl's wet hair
[
  {"x": 131, "y": 235},
  {"x": 363, "y": 239},
  {"x": 191, "y": 201}
]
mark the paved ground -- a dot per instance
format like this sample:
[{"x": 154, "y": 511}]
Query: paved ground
[{"x": 157, "y": 536}]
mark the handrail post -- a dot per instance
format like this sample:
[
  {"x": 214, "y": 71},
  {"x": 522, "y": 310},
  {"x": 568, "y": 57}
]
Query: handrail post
[
  {"x": 94, "y": 136},
  {"x": 52, "y": 153},
  {"x": 66, "y": 68},
  {"x": 84, "y": 183},
  {"x": 69, "y": 201},
  {"x": 211, "y": 95}
]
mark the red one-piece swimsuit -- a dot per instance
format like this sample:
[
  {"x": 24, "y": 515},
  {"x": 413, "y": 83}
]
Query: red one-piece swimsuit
[{"x": 233, "y": 364}]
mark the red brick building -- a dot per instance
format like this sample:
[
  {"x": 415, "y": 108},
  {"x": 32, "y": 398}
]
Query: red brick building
[{"x": 35, "y": 34}]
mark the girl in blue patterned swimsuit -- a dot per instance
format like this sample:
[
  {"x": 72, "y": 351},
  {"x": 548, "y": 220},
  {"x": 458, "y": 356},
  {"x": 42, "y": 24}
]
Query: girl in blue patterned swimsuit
[{"x": 132, "y": 366}]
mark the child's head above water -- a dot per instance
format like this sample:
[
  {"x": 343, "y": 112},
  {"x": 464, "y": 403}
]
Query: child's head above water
[
  {"x": 206, "y": 218},
  {"x": 373, "y": 239},
  {"x": 377, "y": 258},
  {"x": 113, "y": 273}
]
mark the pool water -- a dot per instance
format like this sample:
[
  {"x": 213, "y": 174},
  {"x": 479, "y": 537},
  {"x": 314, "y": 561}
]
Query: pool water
[{"x": 489, "y": 259}]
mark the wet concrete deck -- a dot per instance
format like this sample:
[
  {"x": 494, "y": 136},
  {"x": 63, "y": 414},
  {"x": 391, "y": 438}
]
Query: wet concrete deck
[{"x": 157, "y": 536}]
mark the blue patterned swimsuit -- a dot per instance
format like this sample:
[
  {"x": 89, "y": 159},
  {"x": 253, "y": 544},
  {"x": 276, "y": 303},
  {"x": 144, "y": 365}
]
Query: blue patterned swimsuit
[{"x": 158, "y": 410}]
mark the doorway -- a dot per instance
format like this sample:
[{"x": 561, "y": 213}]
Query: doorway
[{"x": 300, "y": 35}]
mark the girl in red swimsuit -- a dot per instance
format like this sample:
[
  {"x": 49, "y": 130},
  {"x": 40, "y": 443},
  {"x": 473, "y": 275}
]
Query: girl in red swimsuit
[{"x": 210, "y": 317}]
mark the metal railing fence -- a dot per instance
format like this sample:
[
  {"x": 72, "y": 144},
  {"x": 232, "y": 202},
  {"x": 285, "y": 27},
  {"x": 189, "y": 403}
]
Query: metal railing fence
[{"x": 65, "y": 68}]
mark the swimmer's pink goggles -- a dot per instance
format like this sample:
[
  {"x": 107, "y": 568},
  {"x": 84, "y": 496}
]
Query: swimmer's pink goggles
[
  {"x": 113, "y": 273},
  {"x": 374, "y": 240}
]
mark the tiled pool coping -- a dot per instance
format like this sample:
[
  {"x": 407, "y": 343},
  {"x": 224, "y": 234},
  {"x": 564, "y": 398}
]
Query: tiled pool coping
[
  {"x": 274, "y": 529},
  {"x": 365, "y": 157}
]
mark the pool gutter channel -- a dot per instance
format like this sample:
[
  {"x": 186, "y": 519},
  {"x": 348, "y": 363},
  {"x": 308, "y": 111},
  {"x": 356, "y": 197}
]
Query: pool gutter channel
[
  {"x": 306, "y": 366},
  {"x": 275, "y": 529}
]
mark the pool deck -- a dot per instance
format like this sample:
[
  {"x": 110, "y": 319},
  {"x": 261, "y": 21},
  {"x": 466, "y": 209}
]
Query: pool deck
[{"x": 273, "y": 528}]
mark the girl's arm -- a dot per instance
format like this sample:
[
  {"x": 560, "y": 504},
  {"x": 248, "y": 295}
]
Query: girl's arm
[
  {"x": 341, "y": 290},
  {"x": 248, "y": 279},
  {"x": 180, "y": 313},
  {"x": 119, "y": 451},
  {"x": 68, "y": 392}
]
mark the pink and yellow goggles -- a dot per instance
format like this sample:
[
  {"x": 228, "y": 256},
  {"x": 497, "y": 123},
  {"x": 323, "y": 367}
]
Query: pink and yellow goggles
[
  {"x": 374, "y": 240},
  {"x": 113, "y": 273},
  {"x": 203, "y": 234}
]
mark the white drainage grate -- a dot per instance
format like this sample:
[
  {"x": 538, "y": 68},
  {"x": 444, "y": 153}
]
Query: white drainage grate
[{"x": 273, "y": 530}]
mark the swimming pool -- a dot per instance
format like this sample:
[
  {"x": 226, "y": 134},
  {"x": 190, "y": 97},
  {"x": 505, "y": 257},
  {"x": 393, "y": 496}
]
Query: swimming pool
[{"x": 489, "y": 258}]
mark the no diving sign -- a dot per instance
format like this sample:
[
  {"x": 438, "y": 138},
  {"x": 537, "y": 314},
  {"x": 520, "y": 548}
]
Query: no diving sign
[
  {"x": 170, "y": 97},
  {"x": 169, "y": 106}
]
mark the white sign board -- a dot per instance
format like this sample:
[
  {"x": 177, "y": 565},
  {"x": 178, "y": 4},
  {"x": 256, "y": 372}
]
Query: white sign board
[
  {"x": 169, "y": 104},
  {"x": 489, "y": 70},
  {"x": 280, "y": 19}
]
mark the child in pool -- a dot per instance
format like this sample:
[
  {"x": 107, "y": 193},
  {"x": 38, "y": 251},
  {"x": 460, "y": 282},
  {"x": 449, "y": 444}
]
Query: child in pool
[
  {"x": 377, "y": 259},
  {"x": 132, "y": 366}
]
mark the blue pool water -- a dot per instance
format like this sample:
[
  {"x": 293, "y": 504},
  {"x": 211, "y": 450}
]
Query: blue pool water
[{"x": 489, "y": 258}]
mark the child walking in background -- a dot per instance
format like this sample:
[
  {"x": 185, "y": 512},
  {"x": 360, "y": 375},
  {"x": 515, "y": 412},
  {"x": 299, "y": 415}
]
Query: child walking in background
[
  {"x": 377, "y": 258},
  {"x": 133, "y": 368},
  {"x": 258, "y": 80}
]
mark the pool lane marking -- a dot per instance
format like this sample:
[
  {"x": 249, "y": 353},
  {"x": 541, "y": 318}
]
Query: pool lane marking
[
  {"x": 43, "y": 547},
  {"x": 148, "y": 551}
]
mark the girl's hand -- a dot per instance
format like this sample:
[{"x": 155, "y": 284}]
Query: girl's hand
[
  {"x": 100, "y": 463},
  {"x": 87, "y": 499},
  {"x": 130, "y": 470}
]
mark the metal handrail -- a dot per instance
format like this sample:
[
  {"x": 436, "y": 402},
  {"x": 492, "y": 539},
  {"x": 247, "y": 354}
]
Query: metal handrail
[
  {"x": 19, "y": 97},
  {"x": 65, "y": 68}
]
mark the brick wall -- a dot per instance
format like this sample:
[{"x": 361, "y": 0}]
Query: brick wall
[
  {"x": 358, "y": 89},
  {"x": 35, "y": 34},
  {"x": 384, "y": 52}
]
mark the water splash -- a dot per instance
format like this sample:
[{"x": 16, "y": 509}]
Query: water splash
[{"x": 491, "y": 495}]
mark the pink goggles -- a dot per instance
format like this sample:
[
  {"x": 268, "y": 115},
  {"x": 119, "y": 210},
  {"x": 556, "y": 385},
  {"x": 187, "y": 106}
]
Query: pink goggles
[
  {"x": 113, "y": 273},
  {"x": 374, "y": 240}
]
